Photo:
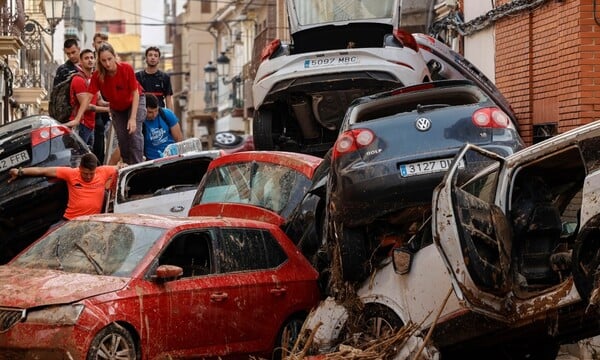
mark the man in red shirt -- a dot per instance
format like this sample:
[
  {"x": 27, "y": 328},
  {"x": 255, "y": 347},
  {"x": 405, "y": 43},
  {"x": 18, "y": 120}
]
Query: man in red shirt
[
  {"x": 86, "y": 184},
  {"x": 79, "y": 90}
]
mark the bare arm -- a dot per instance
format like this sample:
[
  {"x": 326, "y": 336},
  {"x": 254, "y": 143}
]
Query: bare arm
[
  {"x": 176, "y": 133},
  {"x": 169, "y": 102},
  {"x": 31, "y": 171},
  {"x": 84, "y": 101},
  {"x": 131, "y": 124}
]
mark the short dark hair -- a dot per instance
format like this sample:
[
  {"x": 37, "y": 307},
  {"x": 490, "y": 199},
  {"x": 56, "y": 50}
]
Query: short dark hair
[
  {"x": 151, "y": 101},
  {"x": 89, "y": 161},
  {"x": 70, "y": 42},
  {"x": 100, "y": 35},
  {"x": 152, "y": 48},
  {"x": 85, "y": 51}
]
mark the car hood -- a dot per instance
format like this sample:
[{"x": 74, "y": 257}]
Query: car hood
[
  {"x": 237, "y": 210},
  {"x": 26, "y": 288}
]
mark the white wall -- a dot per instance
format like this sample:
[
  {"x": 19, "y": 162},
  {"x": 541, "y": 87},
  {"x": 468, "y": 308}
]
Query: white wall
[{"x": 479, "y": 47}]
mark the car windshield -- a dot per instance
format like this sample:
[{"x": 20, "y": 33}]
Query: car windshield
[
  {"x": 91, "y": 247},
  {"x": 272, "y": 186},
  {"x": 310, "y": 12}
]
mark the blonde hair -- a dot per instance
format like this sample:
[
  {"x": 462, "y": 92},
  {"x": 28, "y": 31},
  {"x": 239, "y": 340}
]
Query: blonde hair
[{"x": 103, "y": 48}]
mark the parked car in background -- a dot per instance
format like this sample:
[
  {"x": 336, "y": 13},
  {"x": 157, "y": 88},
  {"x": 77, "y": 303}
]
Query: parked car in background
[
  {"x": 29, "y": 205},
  {"x": 164, "y": 186},
  {"x": 276, "y": 182},
  {"x": 339, "y": 51},
  {"x": 148, "y": 286},
  {"x": 392, "y": 150},
  {"x": 511, "y": 250}
]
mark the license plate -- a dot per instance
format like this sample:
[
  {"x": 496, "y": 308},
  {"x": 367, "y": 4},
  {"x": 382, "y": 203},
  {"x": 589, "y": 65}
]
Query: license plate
[
  {"x": 331, "y": 61},
  {"x": 427, "y": 167},
  {"x": 13, "y": 160}
]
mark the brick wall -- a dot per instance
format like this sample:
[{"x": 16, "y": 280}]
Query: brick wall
[{"x": 548, "y": 65}]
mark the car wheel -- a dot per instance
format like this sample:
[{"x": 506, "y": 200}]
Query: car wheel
[
  {"x": 287, "y": 337},
  {"x": 374, "y": 322},
  {"x": 227, "y": 139},
  {"x": 586, "y": 261},
  {"x": 113, "y": 342},
  {"x": 354, "y": 255},
  {"x": 262, "y": 130}
]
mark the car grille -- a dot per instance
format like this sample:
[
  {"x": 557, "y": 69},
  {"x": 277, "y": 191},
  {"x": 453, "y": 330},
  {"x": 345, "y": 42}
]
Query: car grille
[{"x": 9, "y": 317}]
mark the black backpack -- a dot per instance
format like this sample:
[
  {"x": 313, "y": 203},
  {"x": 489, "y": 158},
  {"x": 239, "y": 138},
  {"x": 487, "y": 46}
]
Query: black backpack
[{"x": 59, "y": 104}]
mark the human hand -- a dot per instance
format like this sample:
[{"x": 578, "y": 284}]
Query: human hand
[
  {"x": 131, "y": 126},
  {"x": 14, "y": 173}
]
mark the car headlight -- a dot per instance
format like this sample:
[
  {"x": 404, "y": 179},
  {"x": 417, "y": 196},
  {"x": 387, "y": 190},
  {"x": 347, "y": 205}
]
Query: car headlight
[{"x": 59, "y": 314}]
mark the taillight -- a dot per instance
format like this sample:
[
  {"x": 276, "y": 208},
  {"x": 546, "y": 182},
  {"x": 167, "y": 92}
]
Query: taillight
[
  {"x": 406, "y": 39},
  {"x": 352, "y": 140},
  {"x": 41, "y": 135},
  {"x": 491, "y": 118},
  {"x": 270, "y": 49}
]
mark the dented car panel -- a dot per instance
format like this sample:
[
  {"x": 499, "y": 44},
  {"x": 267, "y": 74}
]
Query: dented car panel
[
  {"x": 162, "y": 186},
  {"x": 511, "y": 248},
  {"x": 95, "y": 276}
]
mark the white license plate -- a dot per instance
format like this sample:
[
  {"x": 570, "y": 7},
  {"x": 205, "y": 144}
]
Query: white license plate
[
  {"x": 427, "y": 167},
  {"x": 13, "y": 160},
  {"x": 331, "y": 61}
]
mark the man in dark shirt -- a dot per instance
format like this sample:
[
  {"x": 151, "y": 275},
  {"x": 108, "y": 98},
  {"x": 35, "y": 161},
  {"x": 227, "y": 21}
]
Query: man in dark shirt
[
  {"x": 155, "y": 81},
  {"x": 71, "y": 48}
]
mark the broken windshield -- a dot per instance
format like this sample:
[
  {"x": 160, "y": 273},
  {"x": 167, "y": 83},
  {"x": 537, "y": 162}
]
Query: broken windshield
[
  {"x": 310, "y": 12},
  {"x": 92, "y": 247}
]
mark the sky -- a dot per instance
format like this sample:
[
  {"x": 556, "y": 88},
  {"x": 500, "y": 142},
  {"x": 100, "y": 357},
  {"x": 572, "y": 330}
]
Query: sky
[{"x": 152, "y": 13}]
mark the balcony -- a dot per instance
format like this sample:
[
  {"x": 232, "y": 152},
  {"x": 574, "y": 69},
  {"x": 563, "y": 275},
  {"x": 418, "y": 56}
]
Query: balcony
[{"x": 11, "y": 25}]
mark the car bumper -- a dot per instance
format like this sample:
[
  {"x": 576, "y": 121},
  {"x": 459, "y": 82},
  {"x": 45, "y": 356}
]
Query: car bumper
[{"x": 26, "y": 341}]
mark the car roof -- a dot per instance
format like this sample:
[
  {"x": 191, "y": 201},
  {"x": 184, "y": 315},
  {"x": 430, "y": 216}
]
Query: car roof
[
  {"x": 168, "y": 222},
  {"x": 303, "y": 163}
]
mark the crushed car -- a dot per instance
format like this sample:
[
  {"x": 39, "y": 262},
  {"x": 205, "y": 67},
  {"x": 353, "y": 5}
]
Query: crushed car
[
  {"x": 138, "y": 286},
  {"x": 164, "y": 186},
  {"x": 30, "y": 205},
  {"x": 339, "y": 51},
  {"x": 392, "y": 150},
  {"x": 506, "y": 266}
]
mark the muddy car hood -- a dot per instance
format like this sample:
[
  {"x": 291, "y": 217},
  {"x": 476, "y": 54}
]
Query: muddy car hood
[{"x": 25, "y": 288}]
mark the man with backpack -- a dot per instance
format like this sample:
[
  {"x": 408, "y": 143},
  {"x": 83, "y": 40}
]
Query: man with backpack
[
  {"x": 154, "y": 81},
  {"x": 160, "y": 128},
  {"x": 78, "y": 90},
  {"x": 71, "y": 48}
]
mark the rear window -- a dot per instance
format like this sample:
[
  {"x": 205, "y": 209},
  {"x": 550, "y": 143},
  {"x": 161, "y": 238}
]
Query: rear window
[{"x": 311, "y": 12}]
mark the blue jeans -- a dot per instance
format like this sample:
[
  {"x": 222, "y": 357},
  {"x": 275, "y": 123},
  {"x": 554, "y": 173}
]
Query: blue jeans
[{"x": 87, "y": 135}]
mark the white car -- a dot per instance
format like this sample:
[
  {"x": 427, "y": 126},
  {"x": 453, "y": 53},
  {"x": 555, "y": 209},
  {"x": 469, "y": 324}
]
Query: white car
[
  {"x": 164, "y": 186},
  {"x": 340, "y": 50},
  {"x": 509, "y": 264}
]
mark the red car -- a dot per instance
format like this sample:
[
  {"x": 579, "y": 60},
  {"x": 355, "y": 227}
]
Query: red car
[{"x": 147, "y": 287}]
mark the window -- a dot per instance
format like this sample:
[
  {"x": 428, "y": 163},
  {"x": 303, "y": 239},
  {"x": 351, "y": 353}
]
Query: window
[
  {"x": 248, "y": 249},
  {"x": 205, "y": 6},
  {"x": 191, "y": 252}
]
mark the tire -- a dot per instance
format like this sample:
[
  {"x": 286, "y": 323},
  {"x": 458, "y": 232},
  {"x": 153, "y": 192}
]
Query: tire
[
  {"x": 586, "y": 261},
  {"x": 113, "y": 342},
  {"x": 374, "y": 322},
  {"x": 287, "y": 337},
  {"x": 354, "y": 255},
  {"x": 262, "y": 129}
]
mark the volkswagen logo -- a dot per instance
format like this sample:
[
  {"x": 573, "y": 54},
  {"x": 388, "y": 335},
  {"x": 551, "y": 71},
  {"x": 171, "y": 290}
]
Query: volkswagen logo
[{"x": 423, "y": 124}]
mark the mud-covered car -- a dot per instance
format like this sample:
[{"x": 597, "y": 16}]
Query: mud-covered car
[
  {"x": 276, "y": 181},
  {"x": 30, "y": 205},
  {"x": 163, "y": 186},
  {"x": 508, "y": 266},
  {"x": 133, "y": 286},
  {"x": 339, "y": 51},
  {"x": 393, "y": 149}
]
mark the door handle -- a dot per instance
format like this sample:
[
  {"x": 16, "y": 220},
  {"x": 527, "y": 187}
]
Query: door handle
[
  {"x": 177, "y": 208},
  {"x": 278, "y": 291},
  {"x": 218, "y": 297}
]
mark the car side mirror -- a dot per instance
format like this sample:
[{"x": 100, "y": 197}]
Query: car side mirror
[
  {"x": 402, "y": 260},
  {"x": 167, "y": 272}
]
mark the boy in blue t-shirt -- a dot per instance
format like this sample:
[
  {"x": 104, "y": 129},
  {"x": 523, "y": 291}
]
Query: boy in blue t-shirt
[{"x": 160, "y": 129}]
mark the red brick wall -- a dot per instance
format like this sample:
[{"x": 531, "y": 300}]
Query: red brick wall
[{"x": 548, "y": 65}]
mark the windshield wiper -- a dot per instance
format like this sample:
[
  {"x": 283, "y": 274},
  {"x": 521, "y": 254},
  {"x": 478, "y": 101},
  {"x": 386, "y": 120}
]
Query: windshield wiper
[
  {"x": 427, "y": 107},
  {"x": 97, "y": 266}
]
